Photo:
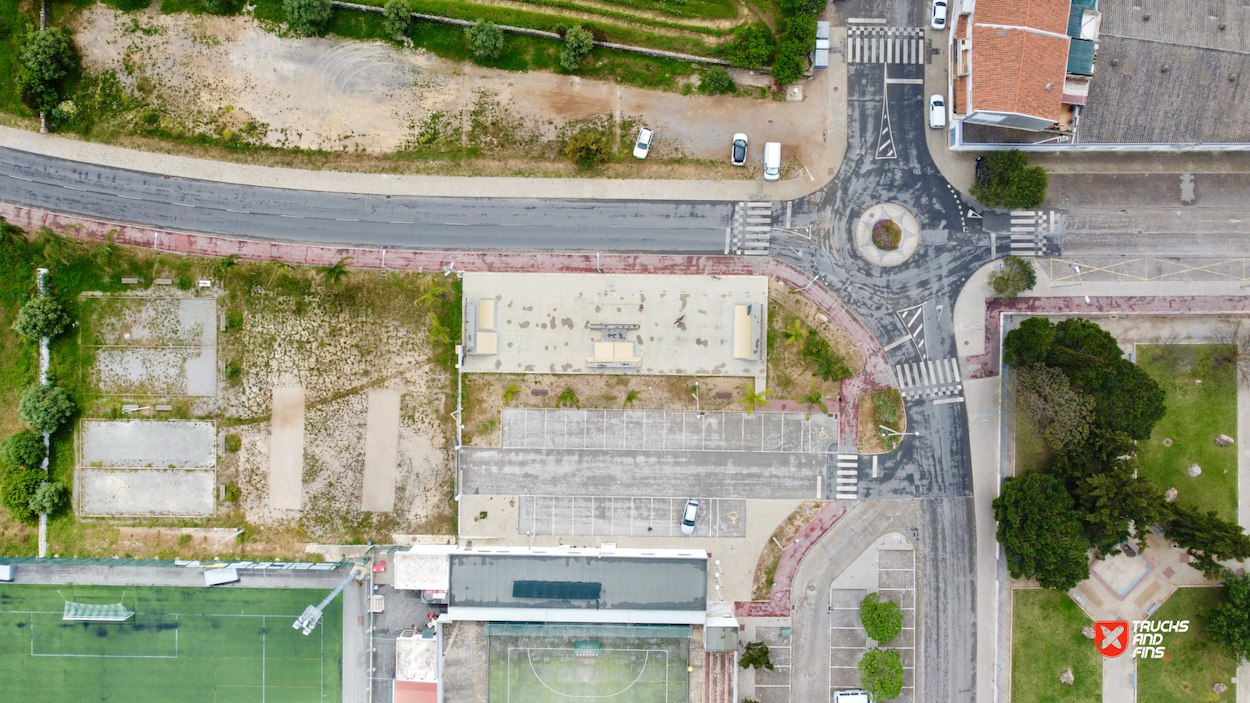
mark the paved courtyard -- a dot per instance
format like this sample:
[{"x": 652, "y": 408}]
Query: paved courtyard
[
  {"x": 628, "y": 517},
  {"x": 543, "y": 428}
]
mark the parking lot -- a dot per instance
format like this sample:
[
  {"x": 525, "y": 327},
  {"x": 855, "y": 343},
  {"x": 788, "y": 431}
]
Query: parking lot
[
  {"x": 893, "y": 577},
  {"x": 543, "y": 428},
  {"x": 628, "y": 517}
]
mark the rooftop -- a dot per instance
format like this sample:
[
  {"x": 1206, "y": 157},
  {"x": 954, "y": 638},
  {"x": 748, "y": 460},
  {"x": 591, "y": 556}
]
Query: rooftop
[
  {"x": 1045, "y": 15},
  {"x": 1017, "y": 70}
]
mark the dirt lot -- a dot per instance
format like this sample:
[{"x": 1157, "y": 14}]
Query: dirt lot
[{"x": 214, "y": 74}]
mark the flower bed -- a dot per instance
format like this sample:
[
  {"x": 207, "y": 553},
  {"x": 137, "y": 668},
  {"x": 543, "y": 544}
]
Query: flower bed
[{"x": 886, "y": 235}]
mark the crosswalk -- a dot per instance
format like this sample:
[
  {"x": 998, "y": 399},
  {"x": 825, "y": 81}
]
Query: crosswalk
[
  {"x": 929, "y": 379},
  {"x": 752, "y": 228},
  {"x": 1033, "y": 221},
  {"x": 904, "y": 45},
  {"x": 847, "y": 486},
  {"x": 913, "y": 319}
]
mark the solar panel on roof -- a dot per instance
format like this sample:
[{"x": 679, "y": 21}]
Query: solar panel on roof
[{"x": 556, "y": 590}]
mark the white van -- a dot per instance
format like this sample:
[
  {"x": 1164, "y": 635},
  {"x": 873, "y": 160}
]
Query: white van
[{"x": 772, "y": 161}]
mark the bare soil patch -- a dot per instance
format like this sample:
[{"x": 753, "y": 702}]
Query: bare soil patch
[
  {"x": 782, "y": 538},
  {"x": 871, "y": 440},
  {"x": 790, "y": 376}
]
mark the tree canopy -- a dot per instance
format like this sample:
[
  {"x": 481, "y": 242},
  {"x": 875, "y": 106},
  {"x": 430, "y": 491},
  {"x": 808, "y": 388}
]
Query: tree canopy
[
  {"x": 485, "y": 39},
  {"x": 44, "y": 408},
  {"x": 882, "y": 620},
  {"x": 1010, "y": 182},
  {"x": 308, "y": 16},
  {"x": 1040, "y": 531},
  {"x": 755, "y": 656},
  {"x": 577, "y": 44},
  {"x": 1016, "y": 276},
  {"x": 23, "y": 449},
  {"x": 881, "y": 674},
  {"x": 17, "y": 487},
  {"x": 1208, "y": 538},
  {"x": 48, "y": 58},
  {"x": 1229, "y": 622},
  {"x": 397, "y": 16},
  {"x": 48, "y": 498},
  {"x": 752, "y": 45},
  {"x": 1063, "y": 414},
  {"x": 41, "y": 316},
  {"x": 1029, "y": 343}
]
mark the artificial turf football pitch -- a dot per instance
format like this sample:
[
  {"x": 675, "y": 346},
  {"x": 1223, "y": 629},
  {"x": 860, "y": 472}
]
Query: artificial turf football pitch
[{"x": 183, "y": 645}]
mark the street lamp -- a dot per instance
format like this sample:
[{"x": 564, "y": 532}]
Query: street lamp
[
  {"x": 1079, "y": 280},
  {"x": 891, "y": 432},
  {"x": 695, "y": 393}
]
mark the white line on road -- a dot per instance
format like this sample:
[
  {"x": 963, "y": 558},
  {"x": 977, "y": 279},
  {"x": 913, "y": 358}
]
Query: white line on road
[
  {"x": 241, "y": 212},
  {"x": 403, "y": 222},
  {"x": 345, "y": 219},
  {"x": 292, "y": 217},
  {"x": 84, "y": 190},
  {"x": 182, "y": 205},
  {"x": 128, "y": 197},
  {"x": 944, "y": 401},
  {"x": 21, "y": 178},
  {"x": 456, "y": 224}
]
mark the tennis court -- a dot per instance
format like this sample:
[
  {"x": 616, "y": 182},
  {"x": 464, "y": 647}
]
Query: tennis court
[
  {"x": 531, "y": 663},
  {"x": 182, "y": 644}
]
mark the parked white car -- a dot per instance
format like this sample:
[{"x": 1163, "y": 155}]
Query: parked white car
[
  {"x": 738, "y": 153},
  {"x": 689, "y": 516},
  {"x": 939, "y": 15},
  {"x": 937, "y": 112},
  {"x": 772, "y": 161},
  {"x": 643, "y": 147}
]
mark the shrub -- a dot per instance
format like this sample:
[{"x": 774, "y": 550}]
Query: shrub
[
  {"x": 485, "y": 39},
  {"x": 886, "y": 235},
  {"x": 587, "y": 148},
  {"x": 751, "y": 47},
  {"x": 577, "y": 43},
  {"x": 755, "y": 656},
  {"x": 883, "y": 620},
  {"x": 44, "y": 408},
  {"x": 1016, "y": 276},
  {"x": 717, "y": 81},
  {"x": 1010, "y": 182},
  {"x": 233, "y": 443},
  {"x": 23, "y": 449},
  {"x": 1229, "y": 622},
  {"x": 42, "y": 316},
  {"x": 568, "y": 399},
  {"x": 48, "y": 498},
  {"x": 829, "y": 365},
  {"x": 232, "y": 493},
  {"x": 17, "y": 487},
  {"x": 221, "y": 7},
  {"x": 308, "y": 16},
  {"x": 397, "y": 16},
  {"x": 787, "y": 67},
  {"x": 881, "y": 674},
  {"x": 48, "y": 57}
]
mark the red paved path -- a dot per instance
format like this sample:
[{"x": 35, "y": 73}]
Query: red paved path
[
  {"x": 778, "y": 604},
  {"x": 986, "y": 365}
]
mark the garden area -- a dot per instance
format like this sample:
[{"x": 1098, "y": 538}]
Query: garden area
[
  {"x": 1202, "y": 405},
  {"x": 1047, "y": 642},
  {"x": 1194, "y": 663},
  {"x": 807, "y": 356}
]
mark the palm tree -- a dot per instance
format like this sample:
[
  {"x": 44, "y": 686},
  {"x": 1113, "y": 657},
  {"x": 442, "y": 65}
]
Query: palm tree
[
  {"x": 334, "y": 274},
  {"x": 630, "y": 398},
  {"x": 226, "y": 263},
  {"x": 795, "y": 333},
  {"x": 568, "y": 398},
  {"x": 279, "y": 268},
  {"x": 510, "y": 393},
  {"x": 104, "y": 253},
  {"x": 56, "y": 249},
  {"x": 814, "y": 397},
  {"x": 754, "y": 399}
]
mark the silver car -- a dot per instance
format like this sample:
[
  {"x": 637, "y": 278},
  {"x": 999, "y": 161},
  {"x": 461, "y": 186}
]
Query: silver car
[{"x": 689, "y": 516}]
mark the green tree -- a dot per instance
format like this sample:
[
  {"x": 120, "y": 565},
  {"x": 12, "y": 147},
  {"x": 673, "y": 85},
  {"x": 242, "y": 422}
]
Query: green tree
[
  {"x": 44, "y": 408},
  {"x": 631, "y": 397},
  {"x": 1029, "y": 343},
  {"x": 881, "y": 674},
  {"x": 485, "y": 39},
  {"x": 882, "y": 620},
  {"x": 1040, "y": 531},
  {"x": 814, "y": 398},
  {"x": 790, "y": 8},
  {"x": 751, "y": 47},
  {"x": 1010, "y": 182},
  {"x": 716, "y": 81},
  {"x": 41, "y": 316},
  {"x": 23, "y": 449},
  {"x": 1208, "y": 538},
  {"x": 587, "y": 149},
  {"x": 568, "y": 399},
  {"x": 755, "y": 656},
  {"x": 753, "y": 400},
  {"x": 577, "y": 44},
  {"x": 1063, "y": 415},
  {"x": 337, "y": 272},
  {"x": 1016, "y": 276},
  {"x": 48, "y": 498},
  {"x": 221, "y": 7},
  {"x": 1229, "y": 622},
  {"x": 510, "y": 393},
  {"x": 1126, "y": 398},
  {"x": 48, "y": 57},
  {"x": 308, "y": 17},
  {"x": 397, "y": 16},
  {"x": 795, "y": 334},
  {"x": 787, "y": 66},
  {"x": 1115, "y": 504},
  {"x": 17, "y": 487}
]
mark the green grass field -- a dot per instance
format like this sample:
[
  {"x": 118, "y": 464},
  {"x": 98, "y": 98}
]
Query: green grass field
[
  {"x": 1196, "y": 413},
  {"x": 626, "y": 670},
  {"x": 188, "y": 645},
  {"x": 1046, "y": 640},
  {"x": 1194, "y": 663}
]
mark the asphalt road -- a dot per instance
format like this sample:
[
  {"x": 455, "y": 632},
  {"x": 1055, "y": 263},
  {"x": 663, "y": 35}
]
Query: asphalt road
[{"x": 275, "y": 214}]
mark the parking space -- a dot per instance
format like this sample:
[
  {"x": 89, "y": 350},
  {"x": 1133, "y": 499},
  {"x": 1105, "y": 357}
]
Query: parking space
[
  {"x": 544, "y": 428},
  {"x": 774, "y": 686},
  {"x": 896, "y": 581},
  {"x": 628, "y": 517}
]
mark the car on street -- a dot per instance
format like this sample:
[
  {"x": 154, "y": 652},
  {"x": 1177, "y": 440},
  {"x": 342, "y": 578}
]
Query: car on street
[
  {"x": 939, "y": 15},
  {"x": 644, "y": 143},
  {"x": 738, "y": 154},
  {"x": 937, "y": 112},
  {"x": 689, "y": 516}
]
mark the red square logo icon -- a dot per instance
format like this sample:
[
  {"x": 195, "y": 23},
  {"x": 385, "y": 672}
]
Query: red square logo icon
[{"x": 1111, "y": 637}]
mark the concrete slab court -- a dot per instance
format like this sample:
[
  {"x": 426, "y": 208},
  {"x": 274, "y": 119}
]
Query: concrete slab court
[
  {"x": 286, "y": 452},
  {"x": 381, "y": 451},
  {"x": 626, "y": 430},
  {"x": 145, "y": 492},
  {"x": 641, "y": 473},
  {"x": 719, "y": 518},
  {"x": 183, "y": 444},
  {"x": 610, "y": 323}
]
